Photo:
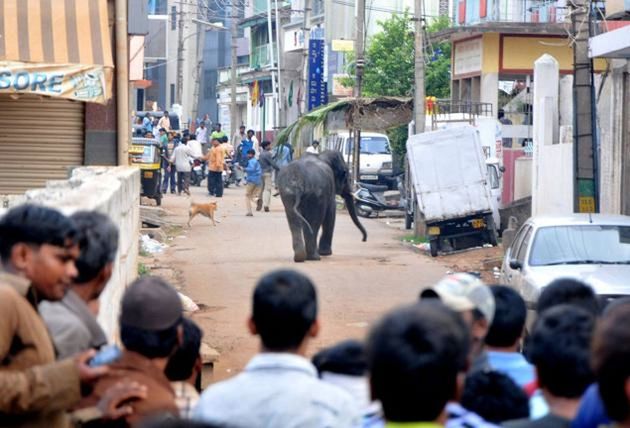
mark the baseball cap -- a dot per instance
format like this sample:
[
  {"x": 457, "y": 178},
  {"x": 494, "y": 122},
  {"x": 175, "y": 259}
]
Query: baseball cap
[
  {"x": 463, "y": 292},
  {"x": 151, "y": 304}
]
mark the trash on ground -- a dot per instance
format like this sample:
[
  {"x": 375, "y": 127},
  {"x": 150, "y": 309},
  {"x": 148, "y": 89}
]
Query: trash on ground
[
  {"x": 187, "y": 303},
  {"x": 151, "y": 246}
]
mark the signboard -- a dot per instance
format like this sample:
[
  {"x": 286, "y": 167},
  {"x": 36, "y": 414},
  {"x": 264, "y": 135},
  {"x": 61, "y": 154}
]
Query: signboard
[
  {"x": 467, "y": 57},
  {"x": 88, "y": 83},
  {"x": 293, "y": 40},
  {"x": 317, "y": 85},
  {"x": 339, "y": 90},
  {"x": 343, "y": 45}
]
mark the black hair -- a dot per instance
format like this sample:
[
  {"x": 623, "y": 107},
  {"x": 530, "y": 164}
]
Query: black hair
[
  {"x": 265, "y": 144},
  {"x": 151, "y": 344},
  {"x": 225, "y": 139},
  {"x": 162, "y": 130},
  {"x": 98, "y": 238},
  {"x": 510, "y": 314},
  {"x": 347, "y": 358},
  {"x": 165, "y": 112},
  {"x": 414, "y": 355},
  {"x": 251, "y": 152},
  {"x": 559, "y": 348},
  {"x": 192, "y": 137},
  {"x": 35, "y": 225},
  {"x": 181, "y": 364},
  {"x": 495, "y": 397},
  {"x": 242, "y": 127},
  {"x": 251, "y": 130},
  {"x": 284, "y": 309},
  {"x": 570, "y": 291},
  {"x": 315, "y": 142},
  {"x": 611, "y": 361}
]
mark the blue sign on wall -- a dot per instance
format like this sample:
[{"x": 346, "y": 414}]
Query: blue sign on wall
[{"x": 317, "y": 86}]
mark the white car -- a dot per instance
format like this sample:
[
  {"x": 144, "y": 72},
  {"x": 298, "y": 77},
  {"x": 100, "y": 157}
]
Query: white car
[{"x": 593, "y": 248}]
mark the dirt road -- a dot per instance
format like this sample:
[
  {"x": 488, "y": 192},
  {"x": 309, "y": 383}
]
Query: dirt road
[{"x": 219, "y": 267}]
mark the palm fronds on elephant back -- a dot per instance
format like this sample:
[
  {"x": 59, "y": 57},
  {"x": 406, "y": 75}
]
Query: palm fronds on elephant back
[{"x": 368, "y": 114}]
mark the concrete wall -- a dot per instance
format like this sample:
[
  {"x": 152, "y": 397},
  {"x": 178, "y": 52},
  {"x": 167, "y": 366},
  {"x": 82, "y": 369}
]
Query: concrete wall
[
  {"x": 114, "y": 191},
  {"x": 522, "y": 177}
]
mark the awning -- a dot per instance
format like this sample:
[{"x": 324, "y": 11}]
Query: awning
[{"x": 59, "y": 48}]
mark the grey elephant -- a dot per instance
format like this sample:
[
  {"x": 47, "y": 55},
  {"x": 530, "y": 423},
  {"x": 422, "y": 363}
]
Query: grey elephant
[{"x": 308, "y": 187}]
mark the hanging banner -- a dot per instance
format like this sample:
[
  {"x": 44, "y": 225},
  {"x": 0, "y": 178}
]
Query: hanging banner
[
  {"x": 317, "y": 85},
  {"x": 87, "y": 83}
]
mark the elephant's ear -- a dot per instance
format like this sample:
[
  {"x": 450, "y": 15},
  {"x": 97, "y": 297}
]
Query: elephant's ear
[{"x": 340, "y": 169}]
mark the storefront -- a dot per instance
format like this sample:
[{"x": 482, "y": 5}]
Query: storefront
[{"x": 54, "y": 58}]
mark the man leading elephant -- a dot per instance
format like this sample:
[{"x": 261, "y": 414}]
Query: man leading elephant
[{"x": 308, "y": 187}]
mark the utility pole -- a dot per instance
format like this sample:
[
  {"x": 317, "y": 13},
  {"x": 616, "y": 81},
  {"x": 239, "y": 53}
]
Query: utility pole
[
  {"x": 358, "y": 90},
  {"x": 272, "y": 64},
  {"x": 306, "y": 29},
  {"x": 586, "y": 171},
  {"x": 180, "y": 55},
  {"x": 418, "y": 109},
  {"x": 234, "y": 64}
]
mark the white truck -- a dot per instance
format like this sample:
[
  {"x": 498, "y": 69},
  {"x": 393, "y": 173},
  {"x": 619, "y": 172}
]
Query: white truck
[{"x": 450, "y": 184}]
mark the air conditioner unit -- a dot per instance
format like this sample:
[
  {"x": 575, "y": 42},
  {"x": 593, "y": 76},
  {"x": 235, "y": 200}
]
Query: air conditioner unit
[{"x": 617, "y": 8}]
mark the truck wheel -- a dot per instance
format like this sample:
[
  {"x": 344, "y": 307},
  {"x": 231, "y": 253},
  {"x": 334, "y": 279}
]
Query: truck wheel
[
  {"x": 158, "y": 199},
  {"x": 435, "y": 247},
  {"x": 408, "y": 220}
]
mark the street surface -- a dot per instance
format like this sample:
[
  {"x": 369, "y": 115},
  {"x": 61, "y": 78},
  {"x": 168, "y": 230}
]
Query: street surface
[{"x": 220, "y": 265}]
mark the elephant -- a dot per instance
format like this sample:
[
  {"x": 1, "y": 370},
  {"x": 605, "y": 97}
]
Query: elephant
[{"x": 307, "y": 188}]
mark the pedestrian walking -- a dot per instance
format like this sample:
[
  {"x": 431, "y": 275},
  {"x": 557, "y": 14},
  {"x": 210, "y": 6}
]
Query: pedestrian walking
[
  {"x": 169, "y": 169},
  {"x": 254, "y": 182},
  {"x": 268, "y": 166},
  {"x": 202, "y": 134},
  {"x": 165, "y": 122},
  {"x": 181, "y": 158},
  {"x": 216, "y": 161},
  {"x": 217, "y": 133},
  {"x": 239, "y": 136}
]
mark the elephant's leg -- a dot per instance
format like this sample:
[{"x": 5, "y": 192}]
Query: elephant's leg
[
  {"x": 328, "y": 226},
  {"x": 310, "y": 239},
  {"x": 295, "y": 225}
]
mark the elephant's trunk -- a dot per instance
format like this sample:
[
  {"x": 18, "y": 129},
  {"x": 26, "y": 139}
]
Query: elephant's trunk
[{"x": 349, "y": 200}]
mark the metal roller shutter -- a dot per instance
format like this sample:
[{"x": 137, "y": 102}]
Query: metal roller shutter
[{"x": 40, "y": 138}]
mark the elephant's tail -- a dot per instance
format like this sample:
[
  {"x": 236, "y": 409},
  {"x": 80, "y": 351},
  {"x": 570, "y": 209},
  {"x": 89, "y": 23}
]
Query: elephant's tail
[{"x": 298, "y": 199}]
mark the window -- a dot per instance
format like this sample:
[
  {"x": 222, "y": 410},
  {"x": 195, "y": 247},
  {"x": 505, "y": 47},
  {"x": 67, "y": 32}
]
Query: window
[
  {"x": 522, "y": 250},
  {"x": 517, "y": 241},
  {"x": 173, "y": 18},
  {"x": 318, "y": 7},
  {"x": 157, "y": 7},
  {"x": 371, "y": 146},
  {"x": 493, "y": 177}
]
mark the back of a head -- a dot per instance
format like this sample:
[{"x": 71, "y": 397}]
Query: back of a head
[
  {"x": 495, "y": 397},
  {"x": 509, "y": 317},
  {"x": 345, "y": 358},
  {"x": 36, "y": 225},
  {"x": 265, "y": 144},
  {"x": 611, "y": 361},
  {"x": 99, "y": 243},
  {"x": 559, "y": 348},
  {"x": 284, "y": 309},
  {"x": 150, "y": 315},
  {"x": 414, "y": 355},
  {"x": 568, "y": 291},
  {"x": 181, "y": 364}
]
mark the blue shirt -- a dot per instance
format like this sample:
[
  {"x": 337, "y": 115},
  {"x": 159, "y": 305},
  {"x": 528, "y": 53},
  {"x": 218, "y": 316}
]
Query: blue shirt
[
  {"x": 282, "y": 155},
  {"x": 512, "y": 364},
  {"x": 147, "y": 124},
  {"x": 277, "y": 390},
  {"x": 254, "y": 172},
  {"x": 592, "y": 412}
]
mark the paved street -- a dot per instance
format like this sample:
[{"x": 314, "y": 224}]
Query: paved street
[{"x": 220, "y": 266}]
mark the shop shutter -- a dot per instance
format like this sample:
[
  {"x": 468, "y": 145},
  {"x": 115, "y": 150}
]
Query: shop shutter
[{"x": 40, "y": 139}]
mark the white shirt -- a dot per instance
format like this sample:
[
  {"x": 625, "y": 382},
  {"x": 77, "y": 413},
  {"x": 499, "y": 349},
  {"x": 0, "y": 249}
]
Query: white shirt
[
  {"x": 181, "y": 159},
  {"x": 195, "y": 147},
  {"x": 202, "y": 135},
  {"x": 312, "y": 149},
  {"x": 277, "y": 390}
]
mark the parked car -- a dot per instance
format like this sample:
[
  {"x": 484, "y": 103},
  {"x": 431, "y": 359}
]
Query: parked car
[{"x": 593, "y": 248}]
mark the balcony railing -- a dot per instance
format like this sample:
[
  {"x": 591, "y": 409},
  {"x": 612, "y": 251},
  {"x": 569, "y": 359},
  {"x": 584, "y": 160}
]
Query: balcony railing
[
  {"x": 225, "y": 74},
  {"x": 260, "y": 56},
  {"x": 472, "y": 12}
]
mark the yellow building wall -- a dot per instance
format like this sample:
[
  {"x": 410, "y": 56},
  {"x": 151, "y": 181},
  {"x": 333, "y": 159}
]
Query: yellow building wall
[{"x": 490, "y": 60}]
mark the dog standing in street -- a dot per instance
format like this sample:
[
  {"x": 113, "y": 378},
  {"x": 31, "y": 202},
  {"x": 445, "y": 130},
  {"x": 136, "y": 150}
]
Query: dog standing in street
[{"x": 208, "y": 209}]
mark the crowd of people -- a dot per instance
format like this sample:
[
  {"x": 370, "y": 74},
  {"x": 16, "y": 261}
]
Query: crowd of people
[
  {"x": 242, "y": 159},
  {"x": 463, "y": 355}
]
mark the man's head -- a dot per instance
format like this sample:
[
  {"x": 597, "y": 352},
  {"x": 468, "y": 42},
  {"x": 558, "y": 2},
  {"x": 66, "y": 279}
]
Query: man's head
[
  {"x": 241, "y": 129},
  {"x": 559, "y": 349},
  {"x": 215, "y": 142},
  {"x": 162, "y": 131},
  {"x": 284, "y": 311},
  {"x": 611, "y": 362},
  {"x": 165, "y": 114},
  {"x": 251, "y": 153},
  {"x": 471, "y": 298},
  {"x": 98, "y": 239},
  {"x": 148, "y": 134},
  {"x": 224, "y": 139},
  {"x": 202, "y": 125},
  {"x": 217, "y": 126},
  {"x": 184, "y": 139},
  {"x": 345, "y": 358},
  {"x": 266, "y": 145},
  {"x": 568, "y": 291},
  {"x": 250, "y": 133},
  {"x": 414, "y": 355},
  {"x": 509, "y": 319},
  {"x": 185, "y": 363},
  {"x": 150, "y": 318},
  {"x": 315, "y": 143},
  {"x": 41, "y": 245}
]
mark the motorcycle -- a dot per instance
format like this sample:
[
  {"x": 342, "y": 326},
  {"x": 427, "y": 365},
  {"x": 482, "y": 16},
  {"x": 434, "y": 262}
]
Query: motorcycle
[
  {"x": 197, "y": 174},
  {"x": 230, "y": 174},
  {"x": 369, "y": 199}
]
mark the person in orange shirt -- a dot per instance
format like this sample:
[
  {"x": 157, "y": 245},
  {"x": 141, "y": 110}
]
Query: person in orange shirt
[{"x": 216, "y": 166}]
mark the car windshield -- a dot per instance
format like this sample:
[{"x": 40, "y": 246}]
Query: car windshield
[
  {"x": 588, "y": 244},
  {"x": 371, "y": 146}
]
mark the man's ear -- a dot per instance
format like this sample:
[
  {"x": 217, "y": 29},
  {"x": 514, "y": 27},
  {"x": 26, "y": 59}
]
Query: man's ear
[
  {"x": 251, "y": 326},
  {"x": 21, "y": 256},
  {"x": 480, "y": 328},
  {"x": 314, "y": 330}
]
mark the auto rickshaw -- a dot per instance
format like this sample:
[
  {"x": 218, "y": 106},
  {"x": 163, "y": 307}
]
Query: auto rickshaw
[{"x": 146, "y": 154}]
